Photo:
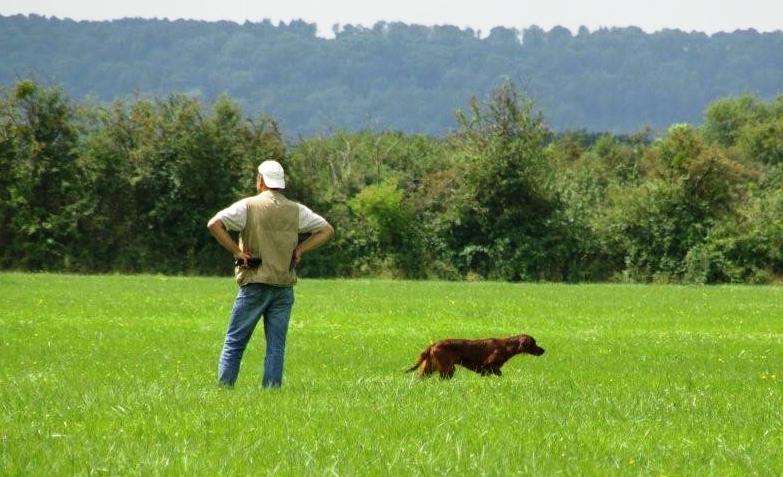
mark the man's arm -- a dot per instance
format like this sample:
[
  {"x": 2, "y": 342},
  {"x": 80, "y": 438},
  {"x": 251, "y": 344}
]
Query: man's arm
[
  {"x": 218, "y": 230},
  {"x": 312, "y": 242}
]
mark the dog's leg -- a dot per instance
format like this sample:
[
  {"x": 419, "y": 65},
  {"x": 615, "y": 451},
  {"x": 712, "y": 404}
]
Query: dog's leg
[
  {"x": 427, "y": 368},
  {"x": 447, "y": 372},
  {"x": 445, "y": 362}
]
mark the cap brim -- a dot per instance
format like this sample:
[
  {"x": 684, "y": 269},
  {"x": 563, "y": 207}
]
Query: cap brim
[{"x": 274, "y": 183}]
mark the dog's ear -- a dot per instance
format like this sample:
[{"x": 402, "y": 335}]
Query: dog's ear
[{"x": 524, "y": 341}]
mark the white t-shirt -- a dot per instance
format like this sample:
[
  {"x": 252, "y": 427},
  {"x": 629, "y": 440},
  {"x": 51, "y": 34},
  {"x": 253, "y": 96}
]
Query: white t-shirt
[{"x": 234, "y": 217}]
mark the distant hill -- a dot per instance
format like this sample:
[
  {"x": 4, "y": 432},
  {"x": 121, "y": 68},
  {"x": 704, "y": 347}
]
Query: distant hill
[{"x": 397, "y": 76}]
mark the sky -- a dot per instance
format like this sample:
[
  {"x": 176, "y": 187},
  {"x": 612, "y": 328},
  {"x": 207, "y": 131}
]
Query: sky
[{"x": 707, "y": 16}]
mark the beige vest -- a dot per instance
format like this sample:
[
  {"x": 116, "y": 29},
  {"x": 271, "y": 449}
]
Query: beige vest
[{"x": 270, "y": 233}]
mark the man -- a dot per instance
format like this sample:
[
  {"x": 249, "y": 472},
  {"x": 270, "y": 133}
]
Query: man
[{"x": 269, "y": 226}]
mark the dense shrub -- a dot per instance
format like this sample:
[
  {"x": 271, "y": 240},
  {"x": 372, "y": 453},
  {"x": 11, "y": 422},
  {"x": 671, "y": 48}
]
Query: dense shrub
[{"x": 129, "y": 187}]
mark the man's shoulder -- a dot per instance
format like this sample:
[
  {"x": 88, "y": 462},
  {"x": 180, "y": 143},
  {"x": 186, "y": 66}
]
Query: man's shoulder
[
  {"x": 236, "y": 206},
  {"x": 234, "y": 216},
  {"x": 239, "y": 203}
]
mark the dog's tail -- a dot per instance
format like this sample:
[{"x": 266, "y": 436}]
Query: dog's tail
[
  {"x": 422, "y": 361},
  {"x": 416, "y": 366}
]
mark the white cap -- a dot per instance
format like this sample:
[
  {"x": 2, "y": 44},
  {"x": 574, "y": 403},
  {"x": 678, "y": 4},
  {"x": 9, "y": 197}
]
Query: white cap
[{"x": 273, "y": 174}]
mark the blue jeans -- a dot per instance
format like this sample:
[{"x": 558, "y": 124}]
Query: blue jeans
[{"x": 253, "y": 301}]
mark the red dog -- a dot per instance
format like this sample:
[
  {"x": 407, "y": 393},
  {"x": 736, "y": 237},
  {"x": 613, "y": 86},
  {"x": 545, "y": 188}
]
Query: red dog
[{"x": 482, "y": 356}]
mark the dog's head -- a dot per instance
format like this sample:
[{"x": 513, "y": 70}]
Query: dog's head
[{"x": 527, "y": 344}]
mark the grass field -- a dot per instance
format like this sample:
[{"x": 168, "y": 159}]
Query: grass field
[{"x": 115, "y": 376}]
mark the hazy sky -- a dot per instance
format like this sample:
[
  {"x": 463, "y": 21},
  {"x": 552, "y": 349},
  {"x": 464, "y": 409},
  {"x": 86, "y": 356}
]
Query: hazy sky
[{"x": 701, "y": 15}]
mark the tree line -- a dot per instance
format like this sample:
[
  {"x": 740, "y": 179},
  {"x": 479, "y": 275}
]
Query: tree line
[
  {"x": 129, "y": 186},
  {"x": 395, "y": 76}
]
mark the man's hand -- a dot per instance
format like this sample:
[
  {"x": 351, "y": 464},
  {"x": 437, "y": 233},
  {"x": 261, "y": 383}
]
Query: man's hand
[
  {"x": 218, "y": 230},
  {"x": 312, "y": 242},
  {"x": 242, "y": 259},
  {"x": 296, "y": 258}
]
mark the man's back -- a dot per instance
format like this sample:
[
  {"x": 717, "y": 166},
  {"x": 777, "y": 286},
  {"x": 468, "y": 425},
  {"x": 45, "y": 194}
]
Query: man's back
[{"x": 271, "y": 234}]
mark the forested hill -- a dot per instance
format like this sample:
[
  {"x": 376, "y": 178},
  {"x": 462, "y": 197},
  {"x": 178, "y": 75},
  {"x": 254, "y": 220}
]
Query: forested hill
[{"x": 396, "y": 76}]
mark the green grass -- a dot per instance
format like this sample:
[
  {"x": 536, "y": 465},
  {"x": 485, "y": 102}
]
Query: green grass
[{"x": 115, "y": 375}]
